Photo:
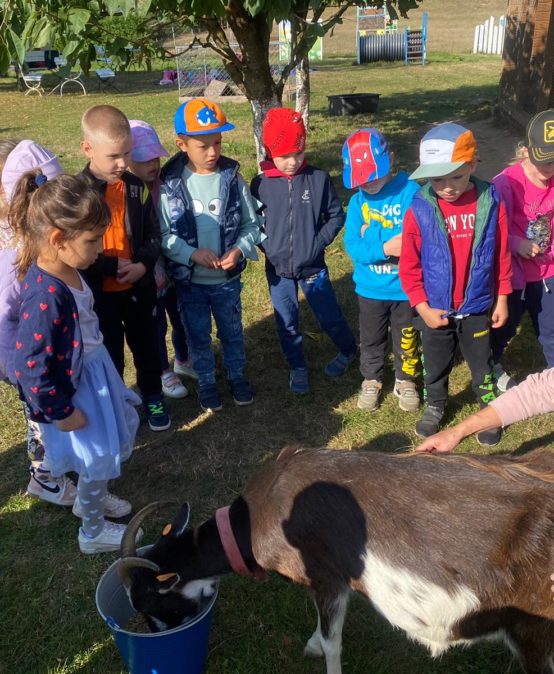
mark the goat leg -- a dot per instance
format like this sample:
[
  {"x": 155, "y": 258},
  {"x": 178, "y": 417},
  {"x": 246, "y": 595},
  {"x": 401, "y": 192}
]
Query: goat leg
[{"x": 331, "y": 608}]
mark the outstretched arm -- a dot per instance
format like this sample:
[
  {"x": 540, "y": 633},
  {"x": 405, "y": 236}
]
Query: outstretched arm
[{"x": 447, "y": 440}]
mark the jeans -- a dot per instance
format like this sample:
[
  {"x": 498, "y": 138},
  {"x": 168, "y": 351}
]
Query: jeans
[
  {"x": 168, "y": 303},
  {"x": 320, "y": 296},
  {"x": 198, "y": 303}
]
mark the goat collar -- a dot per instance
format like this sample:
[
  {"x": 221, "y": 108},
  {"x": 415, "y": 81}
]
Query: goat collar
[{"x": 231, "y": 548}]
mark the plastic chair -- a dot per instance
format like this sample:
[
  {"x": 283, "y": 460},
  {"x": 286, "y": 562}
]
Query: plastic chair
[
  {"x": 106, "y": 79},
  {"x": 30, "y": 81},
  {"x": 65, "y": 76}
]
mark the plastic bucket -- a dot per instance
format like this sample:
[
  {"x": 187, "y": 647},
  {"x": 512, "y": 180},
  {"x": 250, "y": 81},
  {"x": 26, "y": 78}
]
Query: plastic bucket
[{"x": 182, "y": 650}]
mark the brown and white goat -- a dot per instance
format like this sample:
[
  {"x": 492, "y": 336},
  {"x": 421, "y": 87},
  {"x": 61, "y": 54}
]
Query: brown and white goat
[{"x": 450, "y": 549}]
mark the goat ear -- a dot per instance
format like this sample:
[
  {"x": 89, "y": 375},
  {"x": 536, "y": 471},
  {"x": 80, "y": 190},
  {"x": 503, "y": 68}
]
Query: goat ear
[
  {"x": 181, "y": 521},
  {"x": 167, "y": 582}
]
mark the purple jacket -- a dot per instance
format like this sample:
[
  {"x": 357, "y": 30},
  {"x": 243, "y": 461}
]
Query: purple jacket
[
  {"x": 48, "y": 350},
  {"x": 9, "y": 312}
]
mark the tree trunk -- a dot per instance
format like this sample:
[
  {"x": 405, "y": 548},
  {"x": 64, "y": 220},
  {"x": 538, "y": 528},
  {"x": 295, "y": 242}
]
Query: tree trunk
[
  {"x": 259, "y": 111},
  {"x": 303, "y": 90}
]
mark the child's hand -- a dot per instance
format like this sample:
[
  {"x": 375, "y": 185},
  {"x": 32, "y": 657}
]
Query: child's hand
[
  {"x": 122, "y": 264},
  {"x": 499, "y": 314},
  {"x": 131, "y": 273},
  {"x": 205, "y": 258},
  {"x": 528, "y": 249},
  {"x": 433, "y": 317},
  {"x": 393, "y": 246},
  {"x": 73, "y": 422},
  {"x": 230, "y": 259}
]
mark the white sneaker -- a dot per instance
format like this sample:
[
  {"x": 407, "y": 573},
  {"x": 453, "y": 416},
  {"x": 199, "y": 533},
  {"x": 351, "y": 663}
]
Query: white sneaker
[
  {"x": 108, "y": 540},
  {"x": 113, "y": 507},
  {"x": 46, "y": 487},
  {"x": 503, "y": 379},
  {"x": 172, "y": 386},
  {"x": 185, "y": 369}
]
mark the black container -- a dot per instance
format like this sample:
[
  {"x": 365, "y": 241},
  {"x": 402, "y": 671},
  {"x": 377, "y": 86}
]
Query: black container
[{"x": 352, "y": 104}]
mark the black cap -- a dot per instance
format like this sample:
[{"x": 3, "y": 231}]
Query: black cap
[{"x": 540, "y": 137}]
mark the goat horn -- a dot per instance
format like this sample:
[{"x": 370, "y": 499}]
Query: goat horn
[
  {"x": 128, "y": 546},
  {"x": 125, "y": 565}
]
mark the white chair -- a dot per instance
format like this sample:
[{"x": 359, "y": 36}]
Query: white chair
[
  {"x": 106, "y": 79},
  {"x": 65, "y": 76},
  {"x": 32, "y": 82}
]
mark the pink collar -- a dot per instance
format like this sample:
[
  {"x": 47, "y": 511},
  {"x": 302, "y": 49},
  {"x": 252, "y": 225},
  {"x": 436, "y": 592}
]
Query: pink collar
[{"x": 231, "y": 548}]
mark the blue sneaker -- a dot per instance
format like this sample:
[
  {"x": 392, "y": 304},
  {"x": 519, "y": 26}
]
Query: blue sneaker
[
  {"x": 242, "y": 392},
  {"x": 338, "y": 366},
  {"x": 298, "y": 381},
  {"x": 210, "y": 400},
  {"x": 157, "y": 414}
]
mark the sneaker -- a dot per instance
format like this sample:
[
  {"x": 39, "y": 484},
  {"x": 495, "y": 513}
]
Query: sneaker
[
  {"x": 113, "y": 507},
  {"x": 429, "y": 423},
  {"x": 408, "y": 397},
  {"x": 184, "y": 368},
  {"x": 210, "y": 400},
  {"x": 157, "y": 414},
  {"x": 46, "y": 487},
  {"x": 503, "y": 380},
  {"x": 172, "y": 386},
  {"x": 108, "y": 540},
  {"x": 298, "y": 381},
  {"x": 368, "y": 398},
  {"x": 489, "y": 438},
  {"x": 338, "y": 366},
  {"x": 242, "y": 392}
]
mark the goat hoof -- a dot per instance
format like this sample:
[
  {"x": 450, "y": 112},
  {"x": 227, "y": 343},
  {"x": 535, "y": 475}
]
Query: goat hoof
[{"x": 313, "y": 648}]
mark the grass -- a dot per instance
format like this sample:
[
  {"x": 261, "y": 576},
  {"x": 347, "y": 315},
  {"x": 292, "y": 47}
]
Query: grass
[{"x": 49, "y": 621}]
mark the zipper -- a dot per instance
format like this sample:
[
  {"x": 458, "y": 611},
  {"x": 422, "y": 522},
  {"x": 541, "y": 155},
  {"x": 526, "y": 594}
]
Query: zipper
[{"x": 290, "y": 227}]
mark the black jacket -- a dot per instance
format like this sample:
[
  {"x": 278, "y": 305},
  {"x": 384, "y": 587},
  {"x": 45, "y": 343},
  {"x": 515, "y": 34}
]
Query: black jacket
[
  {"x": 143, "y": 230},
  {"x": 303, "y": 215}
]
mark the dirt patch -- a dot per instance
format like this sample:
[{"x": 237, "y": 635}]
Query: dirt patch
[{"x": 496, "y": 142}]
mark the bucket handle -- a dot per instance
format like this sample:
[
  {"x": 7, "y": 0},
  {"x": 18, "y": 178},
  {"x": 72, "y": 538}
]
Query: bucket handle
[{"x": 111, "y": 623}]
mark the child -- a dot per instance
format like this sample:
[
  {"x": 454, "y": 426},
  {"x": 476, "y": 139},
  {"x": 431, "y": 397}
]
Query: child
[
  {"x": 527, "y": 187},
  {"x": 15, "y": 159},
  {"x": 455, "y": 268},
  {"x": 372, "y": 238},
  {"x": 145, "y": 163},
  {"x": 63, "y": 371},
  {"x": 303, "y": 216},
  {"x": 209, "y": 228},
  {"x": 122, "y": 279}
]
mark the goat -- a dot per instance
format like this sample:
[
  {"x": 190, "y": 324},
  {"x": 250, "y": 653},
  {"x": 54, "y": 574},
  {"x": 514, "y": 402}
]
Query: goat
[{"x": 450, "y": 548}]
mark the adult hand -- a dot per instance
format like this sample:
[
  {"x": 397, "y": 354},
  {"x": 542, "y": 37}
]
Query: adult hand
[
  {"x": 131, "y": 273},
  {"x": 433, "y": 317},
  {"x": 528, "y": 249},
  {"x": 442, "y": 442},
  {"x": 499, "y": 314},
  {"x": 393, "y": 246},
  {"x": 73, "y": 422},
  {"x": 230, "y": 259},
  {"x": 205, "y": 258}
]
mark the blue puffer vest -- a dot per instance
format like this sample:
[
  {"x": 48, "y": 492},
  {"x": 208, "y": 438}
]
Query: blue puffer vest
[
  {"x": 436, "y": 259},
  {"x": 183, "y": 222}
]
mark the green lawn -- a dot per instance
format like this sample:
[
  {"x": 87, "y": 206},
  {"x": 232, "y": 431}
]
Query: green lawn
[{"x": 49, "y": 621}]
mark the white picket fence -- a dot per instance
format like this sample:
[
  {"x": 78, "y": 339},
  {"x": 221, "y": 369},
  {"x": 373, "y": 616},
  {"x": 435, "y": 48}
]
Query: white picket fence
[{"x": 488, "y": 38}]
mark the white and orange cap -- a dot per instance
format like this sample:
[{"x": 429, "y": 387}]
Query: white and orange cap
[{"x": 443, "y": 149}]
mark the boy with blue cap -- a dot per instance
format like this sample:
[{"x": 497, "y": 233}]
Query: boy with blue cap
[
  {"x": 455, "y": 268},
  {"x": 209, "y": 228},
  {"x": 372, "y": 238}
]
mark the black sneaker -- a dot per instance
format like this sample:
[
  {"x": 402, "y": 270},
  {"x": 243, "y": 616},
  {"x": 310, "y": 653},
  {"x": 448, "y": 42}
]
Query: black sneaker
[
  {"x": 242, "y": 392},
  {"x": 429, "y": 423},
  {"x": 489, "y": 438},
  {"x": 210, "y": 400},
  {"x": 157, "y": 414}
]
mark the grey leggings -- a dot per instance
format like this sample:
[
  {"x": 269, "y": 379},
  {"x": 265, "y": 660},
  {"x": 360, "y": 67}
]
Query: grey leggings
[{"x": 92, "y": 495}]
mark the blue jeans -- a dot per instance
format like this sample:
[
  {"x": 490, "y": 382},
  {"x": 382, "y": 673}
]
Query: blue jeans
[
  {"x": 320, "y": 296},
  {"x": 168, "y": 303},
  {"x": 197, "y": 304}
]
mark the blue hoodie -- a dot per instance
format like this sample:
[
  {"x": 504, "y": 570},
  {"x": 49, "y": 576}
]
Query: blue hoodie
[{"x": 375, "y": 274}]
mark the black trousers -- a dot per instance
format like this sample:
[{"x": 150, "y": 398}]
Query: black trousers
[
  {"x": 131, "y": 315},
  {"x": 375, "y": 317},
  {"x": 473, "y": 336}
]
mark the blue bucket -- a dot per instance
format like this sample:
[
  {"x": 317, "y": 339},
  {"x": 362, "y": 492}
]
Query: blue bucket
[{"x": 182, "y": 650}]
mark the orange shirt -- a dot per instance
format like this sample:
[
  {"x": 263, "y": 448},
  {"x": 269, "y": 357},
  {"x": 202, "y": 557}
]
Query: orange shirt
[{"x": 116, "y": 242}]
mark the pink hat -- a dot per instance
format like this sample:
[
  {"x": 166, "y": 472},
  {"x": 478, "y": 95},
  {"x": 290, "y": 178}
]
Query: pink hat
[
  {"x": 146, "y": 144},
  {"x": 26, "y": 156}
]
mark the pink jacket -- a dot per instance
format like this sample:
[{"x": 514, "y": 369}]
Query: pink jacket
[
  {"x": 523, "y": 202},
  {"x": 532, "y": 397}
]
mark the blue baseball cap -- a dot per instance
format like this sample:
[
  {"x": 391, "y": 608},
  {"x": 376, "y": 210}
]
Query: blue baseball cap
[{"x": 365, "y": 157}]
